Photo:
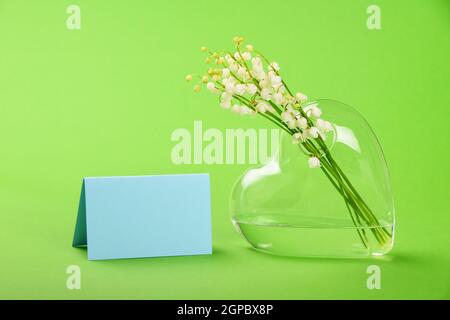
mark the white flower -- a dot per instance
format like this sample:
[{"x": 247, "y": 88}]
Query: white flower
[
  {"x": 229, "y": 59},
  {"x": 245, "y": 110},
  {"x": 315, "y": 111},
  {"x": 229, "y": 87},
  {"x": 225, "y": 100},
  {"x": 229, "y": 84},
  {"x": 251, "y": 89},
  {"x": 321, "y": 125},
  {"x": 257, "y": 63},
  {"x": 266, "y": 94},
  {"x": 297, "y": 138},
  {"x": 242, "y": 73},
  {"x": 276, "y": 81},
  {"x": 226, "y": 96},
  {"x": 212, "y": 87},
  {"x": 258, "y": 75},
  {"x": 231, "y": 80},
  {"x": 314, "y": 162},
  {"x": 236, "y": 108},
  {"x": 287, "y": 116},
  {"x": 237, "y": 56},
  {"x": 225, "y": 72},
  {"x": 300, "y": 97},
  {"x": 257, "y": 69},
  {"x": 241, "y": 89},
  {"x": 233, "y": 66},
  {"x": 312, "y": 132},
  {"x": 277, "y": 98},
  {"x": 262, "y": 107},
  {"x": 302, "y": 123},
  {"x": 247, "y": 56}
]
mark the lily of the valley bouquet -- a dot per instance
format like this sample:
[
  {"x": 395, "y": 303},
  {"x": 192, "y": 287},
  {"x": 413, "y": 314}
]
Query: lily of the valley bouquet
[{"x": 249, "y": 84}]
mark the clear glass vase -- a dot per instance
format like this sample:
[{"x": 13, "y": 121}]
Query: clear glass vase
[{"x": 344, "y": 208}]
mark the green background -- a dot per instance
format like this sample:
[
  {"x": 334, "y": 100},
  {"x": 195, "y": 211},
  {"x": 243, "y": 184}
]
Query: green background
[{"x": 105, "y": 99}]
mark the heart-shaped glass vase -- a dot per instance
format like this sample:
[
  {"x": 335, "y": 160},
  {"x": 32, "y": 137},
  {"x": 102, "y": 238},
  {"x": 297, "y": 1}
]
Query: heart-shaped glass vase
[{"x": 286, "y": 208}]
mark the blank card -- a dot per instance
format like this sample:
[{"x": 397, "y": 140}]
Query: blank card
[{"x": 144, "y": 216}]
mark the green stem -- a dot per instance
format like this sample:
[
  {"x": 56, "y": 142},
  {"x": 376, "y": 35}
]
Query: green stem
[
  {"x": 353, "y": 216},
  {"x": 352, "y": 189},
  {"x": 338, "y": 185},
  {"x": 345, "y": 191}
]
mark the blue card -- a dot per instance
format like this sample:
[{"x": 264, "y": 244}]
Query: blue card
[{"x": 144, "y": 216}]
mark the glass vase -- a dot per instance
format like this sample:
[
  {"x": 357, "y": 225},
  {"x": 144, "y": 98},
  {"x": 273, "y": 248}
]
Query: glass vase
[{"x": 344, "y": 208}]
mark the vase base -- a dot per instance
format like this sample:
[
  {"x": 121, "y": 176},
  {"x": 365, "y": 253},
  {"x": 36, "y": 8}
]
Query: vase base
[{"x": 330, "y": 241}]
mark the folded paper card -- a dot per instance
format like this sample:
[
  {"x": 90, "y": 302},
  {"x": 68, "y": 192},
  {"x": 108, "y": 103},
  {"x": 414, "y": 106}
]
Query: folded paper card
[{"x": 147, "y": 216}]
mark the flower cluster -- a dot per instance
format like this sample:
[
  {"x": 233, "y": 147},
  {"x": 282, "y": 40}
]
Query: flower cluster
[{"x": 247, "y": 83}]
